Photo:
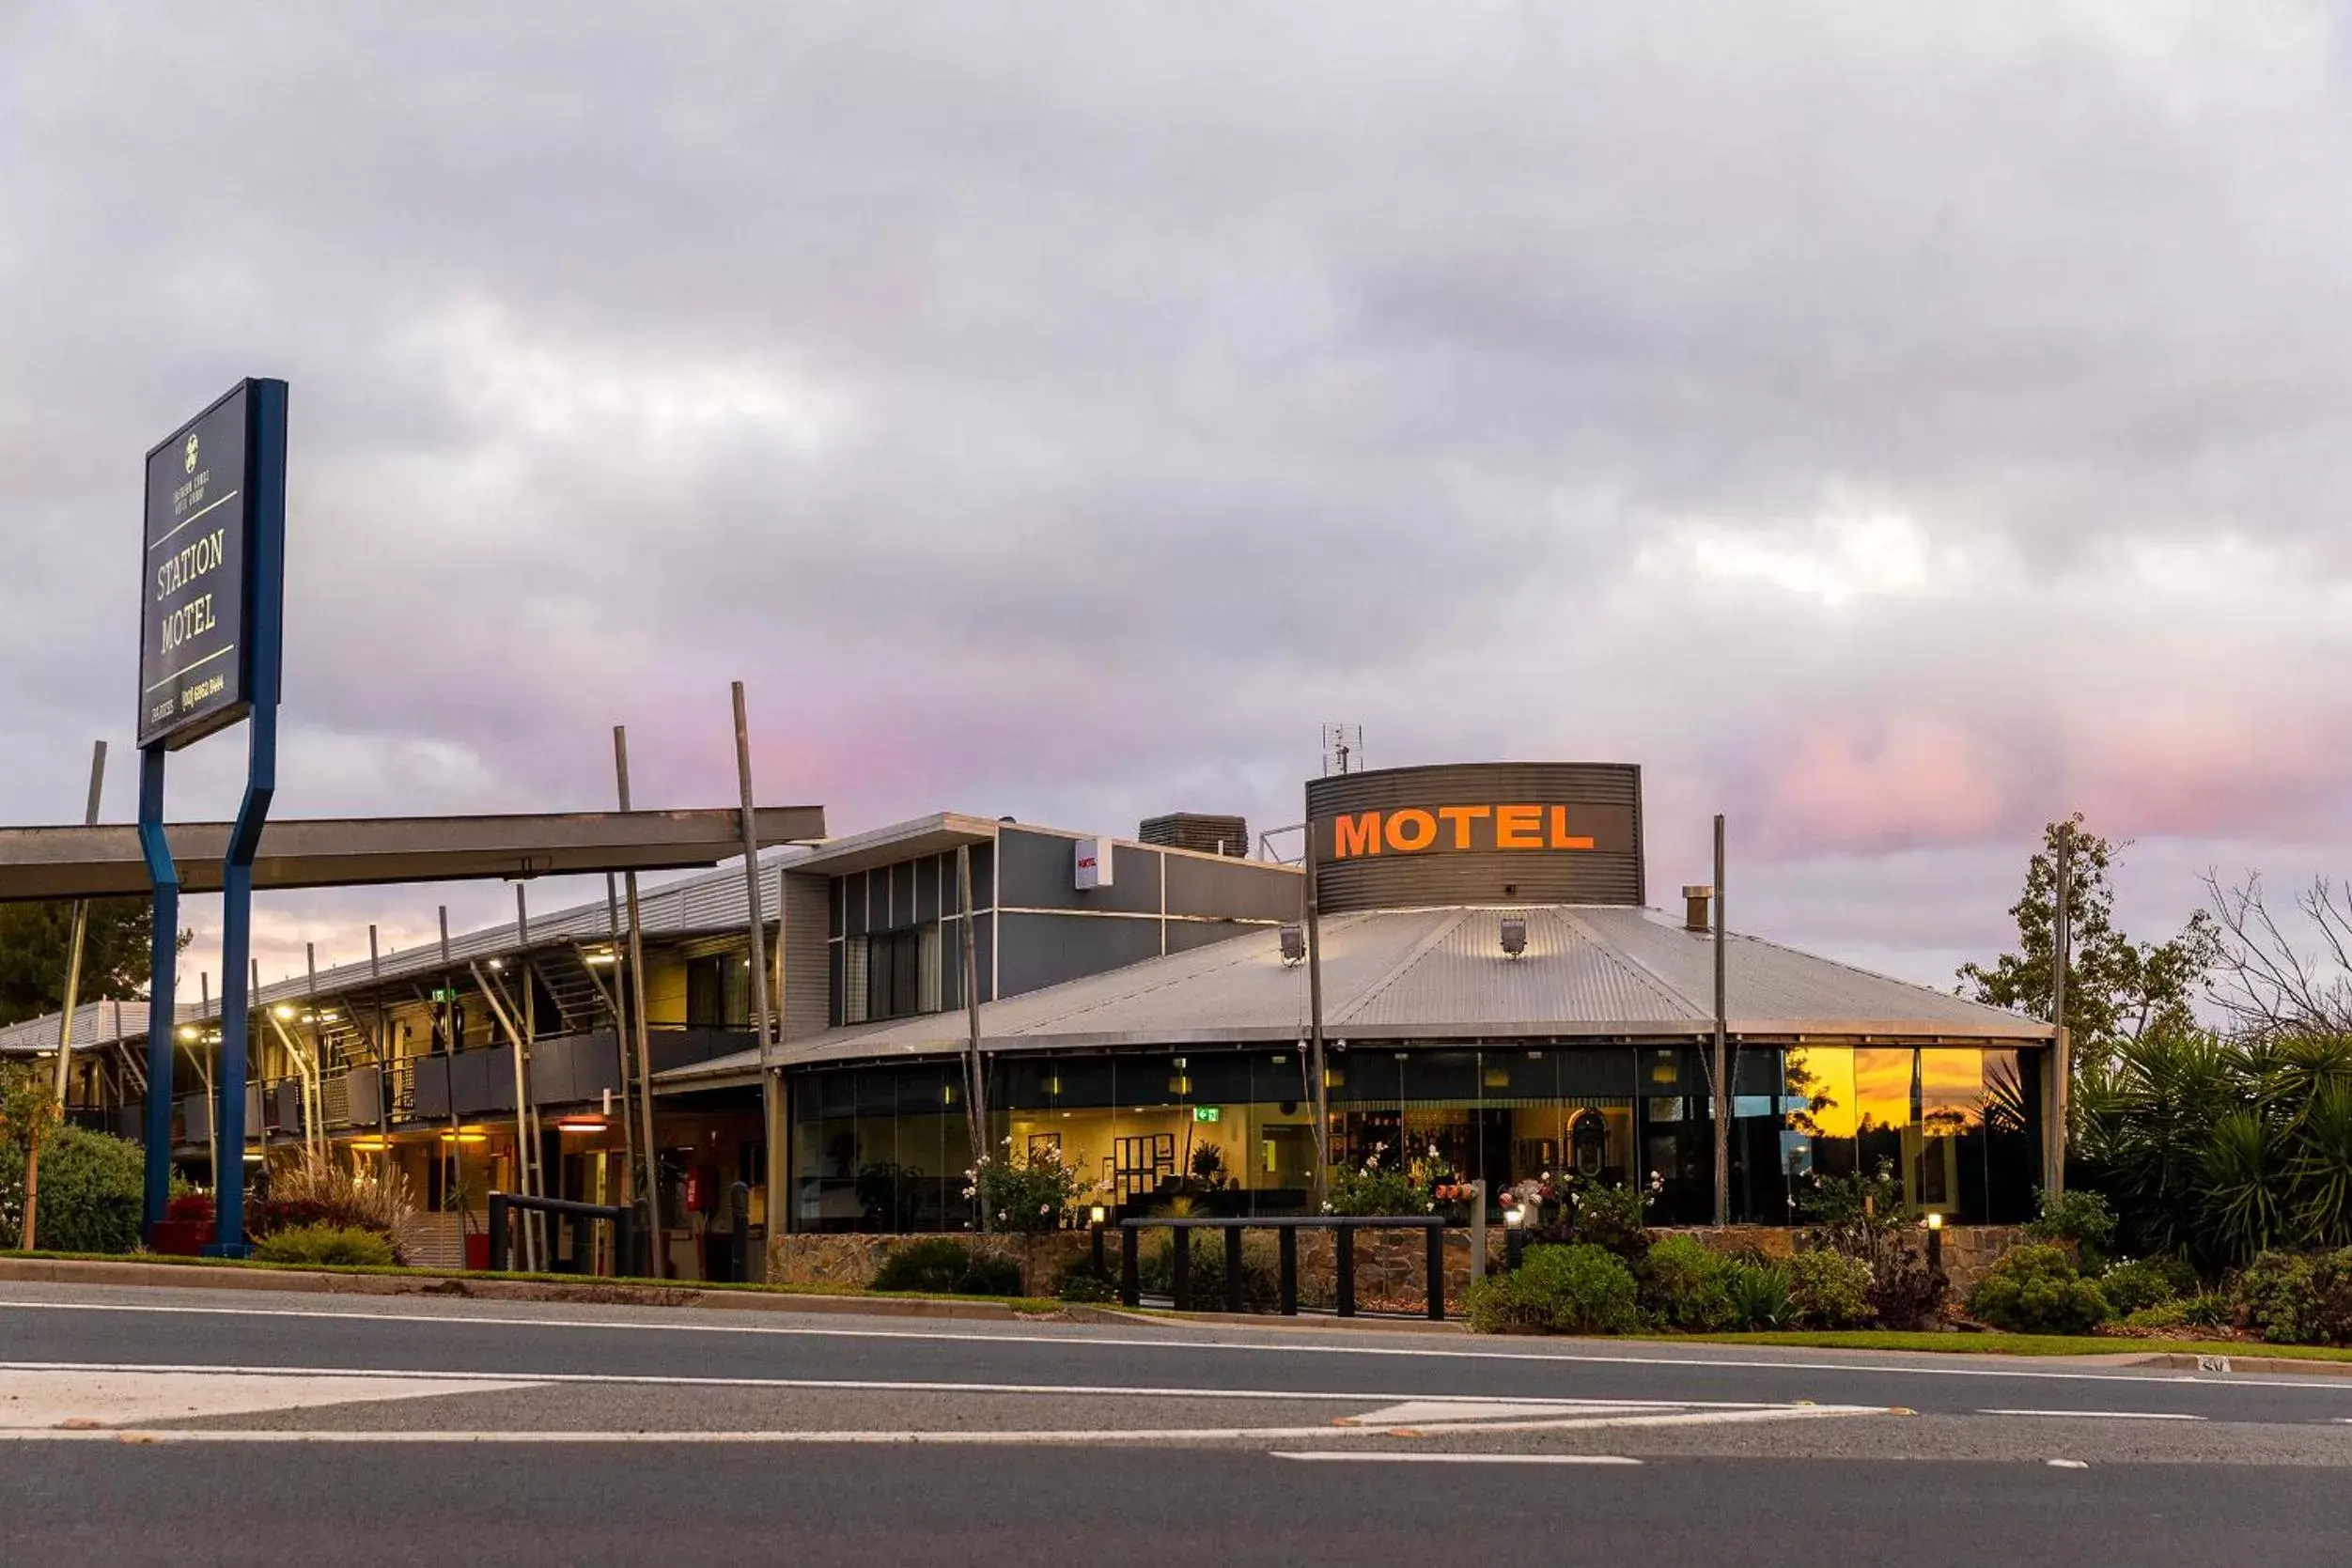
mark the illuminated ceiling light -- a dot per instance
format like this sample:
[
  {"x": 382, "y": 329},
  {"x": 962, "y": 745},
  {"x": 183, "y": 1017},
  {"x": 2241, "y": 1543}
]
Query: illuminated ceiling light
[
  {"x": 282, "y": 1011},
  {"x": 581, "y": 1123},
  {"x": 498, "y": 963},
  {"x": 599, "y": 959},
  {"x": 189, "y": 1032}
]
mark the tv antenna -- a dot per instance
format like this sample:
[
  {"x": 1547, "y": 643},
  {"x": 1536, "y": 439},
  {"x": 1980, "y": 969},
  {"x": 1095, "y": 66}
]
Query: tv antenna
[{"x": 1343, "y": 749}]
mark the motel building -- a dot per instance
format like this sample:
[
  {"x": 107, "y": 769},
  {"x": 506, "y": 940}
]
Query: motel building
[{"x": 1494, "y": 985}]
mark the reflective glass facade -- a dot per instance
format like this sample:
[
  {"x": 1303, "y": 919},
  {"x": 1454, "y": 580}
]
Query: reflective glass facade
[{"x": 884, "y": 1148}]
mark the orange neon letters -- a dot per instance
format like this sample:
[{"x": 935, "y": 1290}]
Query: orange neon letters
[
  {"x": 1412, "y": 829},
  {"x": 1561, "y": 837},
  {"x": 1463, "y": 816},
  {"x": 1518, "y": 827},
  {"x": 1357, "y": 835}
]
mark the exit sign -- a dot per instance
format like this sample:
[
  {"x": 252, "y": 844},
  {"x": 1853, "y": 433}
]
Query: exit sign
[{"x": 1207, "y": 1113}]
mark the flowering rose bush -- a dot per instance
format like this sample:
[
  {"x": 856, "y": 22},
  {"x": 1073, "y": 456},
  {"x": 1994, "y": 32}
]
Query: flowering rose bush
[
  {"x": 1381, "y": 1186},
  {"x": 1025, "y": 1193}
]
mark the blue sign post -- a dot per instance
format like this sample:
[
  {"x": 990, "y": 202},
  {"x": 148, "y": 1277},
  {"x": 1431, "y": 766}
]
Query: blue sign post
[{"x": 211, "y": 652}]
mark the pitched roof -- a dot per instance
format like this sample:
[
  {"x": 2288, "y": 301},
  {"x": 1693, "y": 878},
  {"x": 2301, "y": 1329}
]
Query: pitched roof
[{"x": 1419, "y": 973}]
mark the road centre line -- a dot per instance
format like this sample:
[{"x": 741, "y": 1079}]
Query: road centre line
[
  {"x": 1350, "y": 1457},
  {"x": 1068, "y": 1341},
  {"x": 2102, "y": 1415}
]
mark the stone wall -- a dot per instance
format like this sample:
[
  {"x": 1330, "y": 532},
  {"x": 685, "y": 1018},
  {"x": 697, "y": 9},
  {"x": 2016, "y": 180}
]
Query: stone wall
[
  {"x": 849, "y": 1262},
  {"x": 1391, "y": 1265},
  {"x": 1969, "y": 1250}
]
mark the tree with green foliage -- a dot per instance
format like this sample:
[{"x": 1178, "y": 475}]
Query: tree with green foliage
[
  {"x": 2116, "y": 989},
  {"x": 36, "y": 940}
]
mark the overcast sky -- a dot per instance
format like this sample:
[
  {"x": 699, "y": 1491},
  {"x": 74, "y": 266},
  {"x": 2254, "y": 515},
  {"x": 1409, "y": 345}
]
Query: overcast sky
[{"x": 1893, "y": 425}]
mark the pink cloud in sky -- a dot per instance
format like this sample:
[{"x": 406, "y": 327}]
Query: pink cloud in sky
[{"x": 1912, "y": 782}]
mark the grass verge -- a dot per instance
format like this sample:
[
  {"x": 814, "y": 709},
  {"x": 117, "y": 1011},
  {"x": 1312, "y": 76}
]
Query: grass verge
[
  {"x": 577, "y": 1282},
  {"x": 2013, "y": 1344}
]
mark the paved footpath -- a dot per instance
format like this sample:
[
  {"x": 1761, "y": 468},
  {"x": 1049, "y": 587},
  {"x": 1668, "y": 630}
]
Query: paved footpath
[{"x": 418, "y": 1429}]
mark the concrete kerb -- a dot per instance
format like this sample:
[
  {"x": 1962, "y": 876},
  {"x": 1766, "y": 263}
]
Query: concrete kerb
[{"x": 132, "y": 1275}]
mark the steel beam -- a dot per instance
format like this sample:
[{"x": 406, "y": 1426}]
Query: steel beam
[{"x": 107, "y": 861}]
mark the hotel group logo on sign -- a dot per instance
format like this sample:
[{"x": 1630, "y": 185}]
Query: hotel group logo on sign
[{"x": 1477, "y": 832}]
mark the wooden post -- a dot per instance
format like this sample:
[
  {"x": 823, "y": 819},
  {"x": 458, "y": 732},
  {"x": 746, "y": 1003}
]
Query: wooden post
[{"x": 65, "y": 1022}]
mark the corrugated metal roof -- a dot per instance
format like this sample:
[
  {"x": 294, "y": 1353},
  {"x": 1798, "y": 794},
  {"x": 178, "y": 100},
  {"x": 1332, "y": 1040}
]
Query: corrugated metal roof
[
  {"x": 1401, "y": 974},
  {"x": 709, "y": 901}
]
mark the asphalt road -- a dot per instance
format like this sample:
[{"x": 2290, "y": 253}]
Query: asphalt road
[{"x": 414, "y": 1430}]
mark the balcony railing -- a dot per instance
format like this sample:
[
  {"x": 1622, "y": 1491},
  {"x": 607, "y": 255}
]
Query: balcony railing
[{"x": 568, "y": 1069}]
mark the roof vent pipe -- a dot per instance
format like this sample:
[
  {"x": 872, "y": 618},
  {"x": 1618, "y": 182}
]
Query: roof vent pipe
[{"x": 1696, "y": 897}]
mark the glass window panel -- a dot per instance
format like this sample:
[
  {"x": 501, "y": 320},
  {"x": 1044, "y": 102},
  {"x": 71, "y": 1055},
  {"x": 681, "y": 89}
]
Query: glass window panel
[
  {"x": 1886, "y": 1095},
  {"x": 1817, "y": 1113},
  {"x": 1595, "y": 1071}
]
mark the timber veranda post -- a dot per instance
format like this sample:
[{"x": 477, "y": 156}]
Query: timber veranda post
[
  {"x": 1318, "y": 1076},
  {"x": 771, "y": 1090},
  {"x": 656, "y": 1243},
  {"x": 65, "y": 1023},
  {"x": 976, "y": 1071},
  {"x": 1723, "y": 1085}
]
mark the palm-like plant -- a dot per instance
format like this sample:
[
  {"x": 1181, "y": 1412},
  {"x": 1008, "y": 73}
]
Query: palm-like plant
[
  {"x": 2246, "y": 1206},
  {"x": 2322, "y": 1167}
]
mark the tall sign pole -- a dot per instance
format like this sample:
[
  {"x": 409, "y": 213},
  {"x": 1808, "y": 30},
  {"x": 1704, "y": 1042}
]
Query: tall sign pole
[{"x": 212, "y": 581}]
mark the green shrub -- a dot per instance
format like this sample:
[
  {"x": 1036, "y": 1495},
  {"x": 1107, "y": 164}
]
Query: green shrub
[
  {"x": 1078, "y": 1282},
  {"x": 1828, "y": 1290},
  {"x": 345, "y": 1245},
  {"x": 2292, "y": 1299},
  {"x": 93, "y": 1187},
  {"x": 1686, "y": 1285},
  {"x": 2164, "y": 1315},
  {"x": 1577, "y": 1289},
  {"x": 1025, "y": 1191},
  {"x": 2037, "y": 1290},
  {"x": 935, "y": 1264},
  {"x": 945, "y": 1267},
  {"x": 1261, "y": 1277},
  {"x": 2274, "y": 1296},
  {"x": 2207, "y": 1309},
  {"x": 1614, "y": 1218},
  {"x": 1762, "y": 1296},
  {"x": 2079, "y": 1217},
  {"x": 989, "y": 1275},
  {"x": 2134, "y": 1286}
]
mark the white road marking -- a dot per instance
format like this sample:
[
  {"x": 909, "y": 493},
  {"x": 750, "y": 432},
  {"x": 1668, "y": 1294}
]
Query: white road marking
[
  {"x": 52, "y": 1397},
  {"x": 1091, "y": 1435},
  {"x": 1080, "y": 1339},
  {"x": 2068, "y": 1465},
  {"x": 1313, "y": 1455},
  {"x": 2102, "y": 1415},
  {"x": 1431, "y": 1412}
]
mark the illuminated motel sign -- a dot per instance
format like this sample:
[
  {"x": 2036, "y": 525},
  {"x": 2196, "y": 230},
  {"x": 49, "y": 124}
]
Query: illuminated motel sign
[
  {"x": 1566, "y": 832},
  {"x": 1413, "y": 830}
]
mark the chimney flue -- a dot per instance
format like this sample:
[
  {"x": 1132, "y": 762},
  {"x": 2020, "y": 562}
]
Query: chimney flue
[{"x": 1696, "y": 899}]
